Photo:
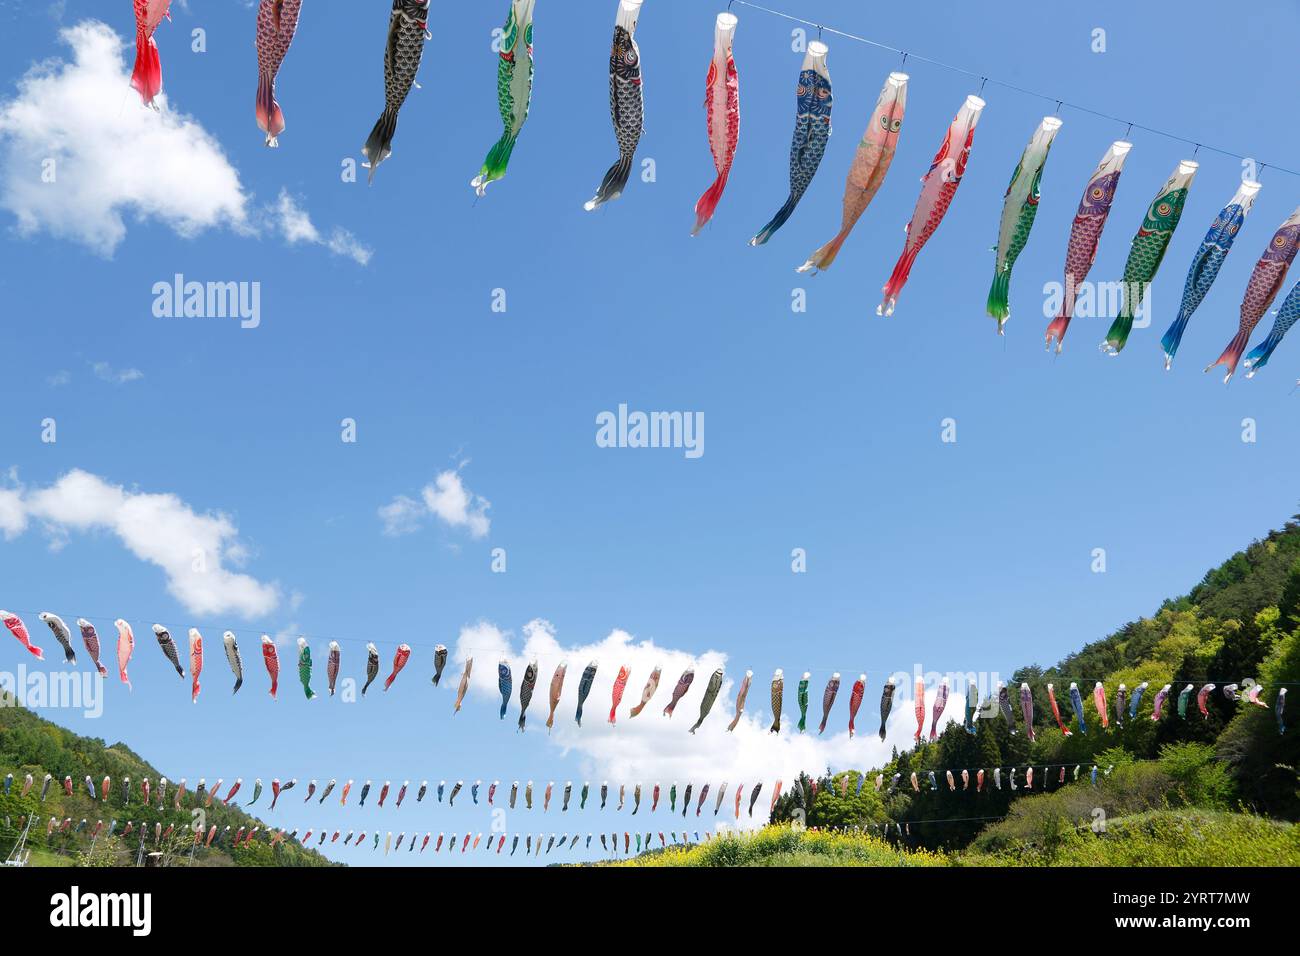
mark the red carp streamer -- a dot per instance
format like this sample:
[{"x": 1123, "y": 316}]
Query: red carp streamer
[
  {"x": 272, "y": 660},
  {"x": 399, "y": 661},
  {"x": 146, "y": 77}
]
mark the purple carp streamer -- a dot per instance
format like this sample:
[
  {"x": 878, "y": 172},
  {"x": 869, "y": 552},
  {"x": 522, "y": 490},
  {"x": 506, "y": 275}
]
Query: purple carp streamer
[
  {"x": 1085, "y": 234},
  {"x": 938, "y": 187},
  {"x": 940, "y": 702},
  {"x": 626, "y": 102},
  {"x": 711, "y": 690},
  {"x": 683, "y": 685},
  {"x": 407, "y": 31},
  {"x": 812, "y": 132},
  {"x": 526, "y": 691},
  {"x": 277, "y": 20},
  {"x": 651, "y": 685},
  {"x": 870, "y": 165},
  {"x": 722, "y": 111},
  {"x": 741, "y": 694},
  {"x": 1279, "y": 711},
  {"x": 557, "y": 688},
  {"x": 1265, "y": 283},
  {"x": 616, "y": 695},
  {"x": 778, "y": 692},
  {"x": 1027, "y": 709},
  {"x": 91, "y": 639},
  {"x": 828, "y": 700}
]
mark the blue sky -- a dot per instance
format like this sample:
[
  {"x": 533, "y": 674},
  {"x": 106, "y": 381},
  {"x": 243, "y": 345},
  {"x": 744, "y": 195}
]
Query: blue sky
[{"x": 823, "y": 428}]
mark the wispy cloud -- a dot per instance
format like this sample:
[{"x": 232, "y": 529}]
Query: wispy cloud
[
  {"x": 295, "y": 226},
  {"x": 80, "y": 158},
  {"x": 445, "y": 498},
  {"x": 117, "y": 376},
  {"x": 195, "y": 550}
]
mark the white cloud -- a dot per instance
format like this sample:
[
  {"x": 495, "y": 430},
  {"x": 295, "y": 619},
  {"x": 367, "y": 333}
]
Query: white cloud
[
  {"x": 195, "y": 551},
  {"x": 295, "y": 226},
  {"x": 651, "y": 748},
  {"x": 445, "y": 498},
  {"x": 60, "y": 378},
  {"x": 113, "y": 160},
  {"x": 117, "y": 376}
]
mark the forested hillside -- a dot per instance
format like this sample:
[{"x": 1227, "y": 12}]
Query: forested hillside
[
  {"x": 31, "y": 745},
  {"x": 1242, "y": 621}
]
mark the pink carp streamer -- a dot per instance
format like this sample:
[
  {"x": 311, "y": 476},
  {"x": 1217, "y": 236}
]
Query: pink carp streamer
[
  {"x": 19, "y": 630},
  {"x": 920, "y": 708},
  {"x": 722, "y": 109},
  {"x": 741, "y": 694},
  {"x": 938, "y": 187},
  {"x": 557, "y": 688},
  {"x": 400, "y": 658},
  {"x": 277, "y": 20},
  {"x": 1202, "y": 696},
  {"x": 1099, "y": 698},
  {"x": 651, "y": 686},
  {"x": 91, "y": 640},
  {"x": 870, "y": 165},
  {"x": 620, "y": 683},
  {"x": 855, "y": 699},
  {"x": 196, "y": 663},
  {"x": 125, "y": 648},
  {"x": 271, "y": 658}
]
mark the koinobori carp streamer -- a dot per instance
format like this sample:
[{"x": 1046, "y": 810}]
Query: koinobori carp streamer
[
  {"x": 584, "y": 688},
  {"x": 711, "y": 690},
  {"x": 828, "y": 700},
  {"x": 801, "y": 695},
  {"x": 557, "y": 687},
  {"x": 526, "y": 691},
  {"x": 1210, "y": 256},
  {"x": 1148, "y": 251},
  {"x": 61, "y": 633},
  {"x": 125, "y": 648},
  {"x": 626, "y": 102},
  {"x": 1286, "y": 317},
  {"x": 400, "y": 657},
  {"x": 332, "y": 665},
  {"x": 271, "y": 657},
  {"x": 1265, "y": 283},
  {"x": 1019, "y": 209},
  {"x": 168, "y": 647},
  {"x": 372, "y": 667},
  {"x": 616, "y": 694},
  {"x": 886, "y": 703},
  {"x": 938, "y": 187},
  {"x": 304, "y": 667},
  {"x": 504, "y": 684},
  {"x": 407, "y": 31},
  {"x": 870, "y": 164},
  {"x": 277, "y": 20},
  {"x": 1085, "y": 234},
  {"x": 940, "y": 703},
  {"x": 651, "y": 685},
  {"x": 778, "y": 691},
  {"x": 683, "y": 685},
  {"x": 196, "y": 663},
  {"x": 19, "y": 630},
  {"x": 514, "y": 90},
  {"x": 233, "y": 658},
  {"x": 722, "y": 113},
  {"x": 146, "y": 75},
  {"x": 812, "y": 131}
]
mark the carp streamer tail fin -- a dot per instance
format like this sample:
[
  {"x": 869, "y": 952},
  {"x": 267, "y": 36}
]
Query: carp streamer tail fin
[
  {"x": 998, "y": 306},
  {"x": 494, "y": 166},
  {"x": 270, "y": 118},
  {"x": 614, "y": 183},
  {"x": 146, "y": 78},
  {"x": 779, "y": 220},
  {"x": 823, "y": 257},
  {"x": 708, "y": 203},
  {"x": 380, "y": 144},
  {"x": 897, "y": 279},
  {"x": 1232, "y": 354}
]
